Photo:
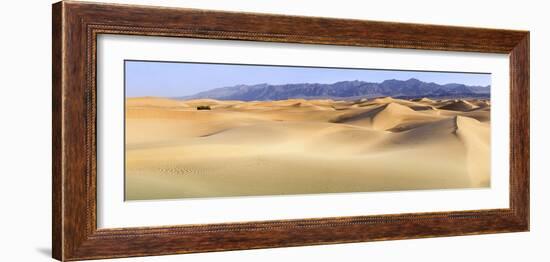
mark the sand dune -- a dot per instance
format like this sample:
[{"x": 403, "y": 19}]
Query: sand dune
[
  {"x": 385, "y": 116},
  {"x": 300, "y": 146},
  {"x": 459, "y": 105},
  {"x": 424, "y": 100}
]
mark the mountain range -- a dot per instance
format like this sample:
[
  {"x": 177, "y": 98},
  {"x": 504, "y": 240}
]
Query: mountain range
[{"x": 412, "y": 88}]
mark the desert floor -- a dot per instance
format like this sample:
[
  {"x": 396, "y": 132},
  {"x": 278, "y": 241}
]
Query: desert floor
[{"x": 301, "y": 146}]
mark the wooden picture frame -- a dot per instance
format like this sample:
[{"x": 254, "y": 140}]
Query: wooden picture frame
[{"x": 76, "y": 26}]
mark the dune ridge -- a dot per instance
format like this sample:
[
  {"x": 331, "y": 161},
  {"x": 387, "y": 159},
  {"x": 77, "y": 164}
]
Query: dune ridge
[{"x": 300, "y": 146}]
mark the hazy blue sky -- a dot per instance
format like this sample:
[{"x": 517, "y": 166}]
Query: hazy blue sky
[{"x": 181, "y": 79}]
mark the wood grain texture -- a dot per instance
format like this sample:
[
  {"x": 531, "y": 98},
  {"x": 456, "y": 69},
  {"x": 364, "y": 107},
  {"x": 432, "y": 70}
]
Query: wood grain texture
[
  {"x": 57, "y": 190},
  {"x": 76, "y": 26},
  {"x": 519, "y": 129}
]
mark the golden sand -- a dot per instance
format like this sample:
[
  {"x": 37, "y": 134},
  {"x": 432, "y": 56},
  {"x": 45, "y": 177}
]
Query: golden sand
[{"x": 301, "y": 146}]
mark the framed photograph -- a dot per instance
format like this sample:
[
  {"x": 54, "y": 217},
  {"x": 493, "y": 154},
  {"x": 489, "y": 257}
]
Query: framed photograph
[{"x": 183, "y": 130}]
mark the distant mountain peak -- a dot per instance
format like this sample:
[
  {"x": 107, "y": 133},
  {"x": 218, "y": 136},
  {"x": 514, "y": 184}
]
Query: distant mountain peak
[{"x": 349, "y": 89}]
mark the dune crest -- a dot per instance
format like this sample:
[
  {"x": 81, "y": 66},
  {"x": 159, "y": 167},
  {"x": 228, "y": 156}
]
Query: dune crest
[
  {"x": 424, "y": 100},
  {"x": 459, "y": 105}
]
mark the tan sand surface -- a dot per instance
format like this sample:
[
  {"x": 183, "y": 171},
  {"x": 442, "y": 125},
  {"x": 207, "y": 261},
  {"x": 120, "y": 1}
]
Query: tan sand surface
[{"x": 300, "y": 146}]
